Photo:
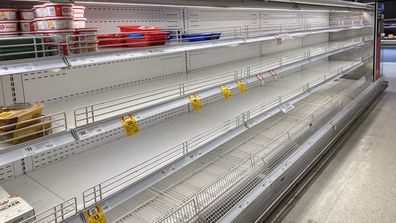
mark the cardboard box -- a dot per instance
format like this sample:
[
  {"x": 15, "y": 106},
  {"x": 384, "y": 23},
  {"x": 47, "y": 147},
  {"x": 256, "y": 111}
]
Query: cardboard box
[{"x": 14, "y": 210}]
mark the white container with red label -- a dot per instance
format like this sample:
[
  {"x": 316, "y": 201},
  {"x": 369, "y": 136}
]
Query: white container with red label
[
  {"x": 78, "y": 11},
  {"x": 79, "y": 23},
  {"x": 8, "y": 26},
  {"x": 53, "y": 23},
  {"x": 26, "y": 14},
  {"x": 8, "y": 14},
  {"x": 59, "y": 9},
  {"x": 39, "y": 11},
  {"x": 26, "y": 25}
]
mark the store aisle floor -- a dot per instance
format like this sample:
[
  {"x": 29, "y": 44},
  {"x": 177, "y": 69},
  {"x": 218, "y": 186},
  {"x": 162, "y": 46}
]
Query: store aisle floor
[{"x": 359, "y": 183}]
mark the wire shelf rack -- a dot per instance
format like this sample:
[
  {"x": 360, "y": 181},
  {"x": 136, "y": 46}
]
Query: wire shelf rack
[{"x": 56, "y": 214}]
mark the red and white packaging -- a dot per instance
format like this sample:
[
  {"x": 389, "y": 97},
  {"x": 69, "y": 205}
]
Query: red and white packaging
[
  {"x": 8, "y": 34},
  {"x": 59, "y": 9},
  {"x": 8, "y": 14},
  {"x": 53, "y": 23},
  {"x": 26, "y": 14},
  {"x": 78, "y": 11},
  {"x": 8, "y": 26},
  {"x": 26, "y": 25},
  {"x": 60, "y": 35},
  {"x": 39, "y": 11},
  {"x": 79, "y": 23}
]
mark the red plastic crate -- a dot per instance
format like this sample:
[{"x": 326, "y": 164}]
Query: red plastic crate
[
  {"x": 113, "y": 40},
  {"x": 151, "y": 36}
]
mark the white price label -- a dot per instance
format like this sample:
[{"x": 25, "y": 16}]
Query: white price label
[
  {"x": 87, "y": 133},
  {"x": 38, "y": 147},
  {"x": 28, "y": 67},
  {"x": 286, "y": 107},
  {"x": 28, "y": 151},
  {"x": 48, "y": 144}
]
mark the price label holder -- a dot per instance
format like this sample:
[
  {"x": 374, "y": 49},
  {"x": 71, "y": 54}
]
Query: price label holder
[
  {"x": 89, "y": 132},
  {"x": 38, "y": 147},
  {"x": 95, "y": 215},
  {"x": 286, "y": 107},
  {"x": 195, "y": 102},
  {"x": 130, "y": 124},
  {"x": 242, "y": 87},
  {"x": 226, "y": 92}
]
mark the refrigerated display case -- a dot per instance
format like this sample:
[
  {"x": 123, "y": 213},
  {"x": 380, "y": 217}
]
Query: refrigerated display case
[{"x": 214, "y": 124}]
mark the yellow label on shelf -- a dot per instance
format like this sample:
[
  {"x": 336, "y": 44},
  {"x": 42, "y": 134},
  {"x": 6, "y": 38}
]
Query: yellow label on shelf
[
  {"x": 130, "y": 124},
  {"x": 195, "y": 102},
  {"x": 226, "y": 92},
  {"x": 95, "y": 215},
  {"x": 390, "y": 36},
  {"x": 6, "y": 114},
  {"x": 242, "y": 87}
]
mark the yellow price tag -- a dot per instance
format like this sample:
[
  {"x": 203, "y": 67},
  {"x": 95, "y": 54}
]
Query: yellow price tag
[
  {"x": 242, "y": 87},
  {"x": 95, "y": 215},
  {"x": 226, "y": 92},
  {"x": 390, "y": 36},
  {"x": 195, "y": 102},
  {"x": 6, "y": 114},
  {"x": 130, "y": 124}
]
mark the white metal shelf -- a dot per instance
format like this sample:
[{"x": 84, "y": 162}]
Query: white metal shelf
[
  {"x": 60, "y": 62},
  {"x": 196, "y": 79},
  {"x": 107, "y": 160},
  {"x": 234, "y": 36},
  {"x": 199, "y": 175},
  {"x": 45, "y": 146}
]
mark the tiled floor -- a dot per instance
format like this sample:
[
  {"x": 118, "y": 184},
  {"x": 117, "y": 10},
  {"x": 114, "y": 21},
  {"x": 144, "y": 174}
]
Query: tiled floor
[{"x": 359, "y": 184}]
